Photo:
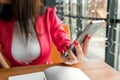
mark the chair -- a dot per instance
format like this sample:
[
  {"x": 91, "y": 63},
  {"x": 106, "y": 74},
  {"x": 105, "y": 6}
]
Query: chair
[{"x": 55, "y": 54}]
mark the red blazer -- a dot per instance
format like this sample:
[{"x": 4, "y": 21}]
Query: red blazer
[{"x": 49, "y": 28}]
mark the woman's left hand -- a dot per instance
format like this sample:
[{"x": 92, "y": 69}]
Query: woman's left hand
[{"x": 81, "y": 52}]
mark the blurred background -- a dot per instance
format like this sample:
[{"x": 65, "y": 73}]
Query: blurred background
[{"x": 105, "y": 43}]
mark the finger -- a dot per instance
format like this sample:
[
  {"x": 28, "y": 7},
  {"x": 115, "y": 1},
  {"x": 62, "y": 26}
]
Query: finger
[
  {"x": 85, "y": 45},
  {"x": 79, "y": 51},
  {"x": 71, "y": 63},
  {"x": 71, "y": 54},
  {"x": 70, "y": 58}
]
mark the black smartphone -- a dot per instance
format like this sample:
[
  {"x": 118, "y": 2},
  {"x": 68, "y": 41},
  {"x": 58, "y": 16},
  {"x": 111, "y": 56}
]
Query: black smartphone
[{"x": 90, "y": 29}]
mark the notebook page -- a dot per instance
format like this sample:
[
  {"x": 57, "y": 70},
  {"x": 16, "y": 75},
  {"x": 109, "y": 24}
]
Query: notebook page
[
  {"x": 30, "y": 76},
  {"x": 65, "y": 73}
]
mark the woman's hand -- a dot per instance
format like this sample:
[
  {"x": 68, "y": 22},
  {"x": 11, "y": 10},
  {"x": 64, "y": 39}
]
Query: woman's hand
[{"x": 81, "y": 52}]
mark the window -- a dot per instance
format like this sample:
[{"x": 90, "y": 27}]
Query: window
[
  {"x": 95, "y": 10},
  {"x": 105, "y": 43},
  {"x": 77, "y": 13}
]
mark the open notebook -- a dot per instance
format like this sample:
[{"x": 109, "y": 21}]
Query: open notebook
[{"x": 54, "y": 73}]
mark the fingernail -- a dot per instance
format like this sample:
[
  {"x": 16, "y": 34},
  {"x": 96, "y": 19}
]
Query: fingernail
[
  {"x": 76, "y": 43},
  {"x": 88, "y": 37}
]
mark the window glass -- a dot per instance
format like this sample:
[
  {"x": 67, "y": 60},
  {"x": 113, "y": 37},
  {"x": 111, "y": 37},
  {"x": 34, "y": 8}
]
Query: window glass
[
  {"x": 73, "y": 28},
  {"x": 94, "y": 8},
  {"x": 117, "y": 47},
  {"x": 118, "y": 31},
  {"x": 77, "y": 13}
]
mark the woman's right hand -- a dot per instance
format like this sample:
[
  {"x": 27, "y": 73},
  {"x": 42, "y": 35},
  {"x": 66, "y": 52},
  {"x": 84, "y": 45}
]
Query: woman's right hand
[{"x": 81, "y": 52}]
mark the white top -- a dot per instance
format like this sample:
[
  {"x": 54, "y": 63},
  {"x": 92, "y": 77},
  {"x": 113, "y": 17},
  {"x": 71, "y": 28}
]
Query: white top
[{"x": 22, "y": 51}]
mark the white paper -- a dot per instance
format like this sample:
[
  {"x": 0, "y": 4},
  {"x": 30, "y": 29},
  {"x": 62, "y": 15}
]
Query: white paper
[
  {"x": 54, "y": 73},
  {"x": 30, "y": 76},
  {"x": 65, "y": 73}
]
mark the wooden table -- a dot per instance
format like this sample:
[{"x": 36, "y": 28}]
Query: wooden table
[{"x": 95, "y": 69}]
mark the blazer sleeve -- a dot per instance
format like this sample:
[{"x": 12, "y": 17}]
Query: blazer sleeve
[{"x": 59, "y": 35}]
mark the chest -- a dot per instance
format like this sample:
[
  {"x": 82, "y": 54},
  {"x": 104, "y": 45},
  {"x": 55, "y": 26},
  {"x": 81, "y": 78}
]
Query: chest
[
  {"x": 25, "y": 50},
  {"x": 7, "y": 34}
]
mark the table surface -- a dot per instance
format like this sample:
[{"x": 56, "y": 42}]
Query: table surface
[{"x": 96, "y": 69}]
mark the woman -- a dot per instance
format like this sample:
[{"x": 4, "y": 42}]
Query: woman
[{"x": 26, "y": 35}]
